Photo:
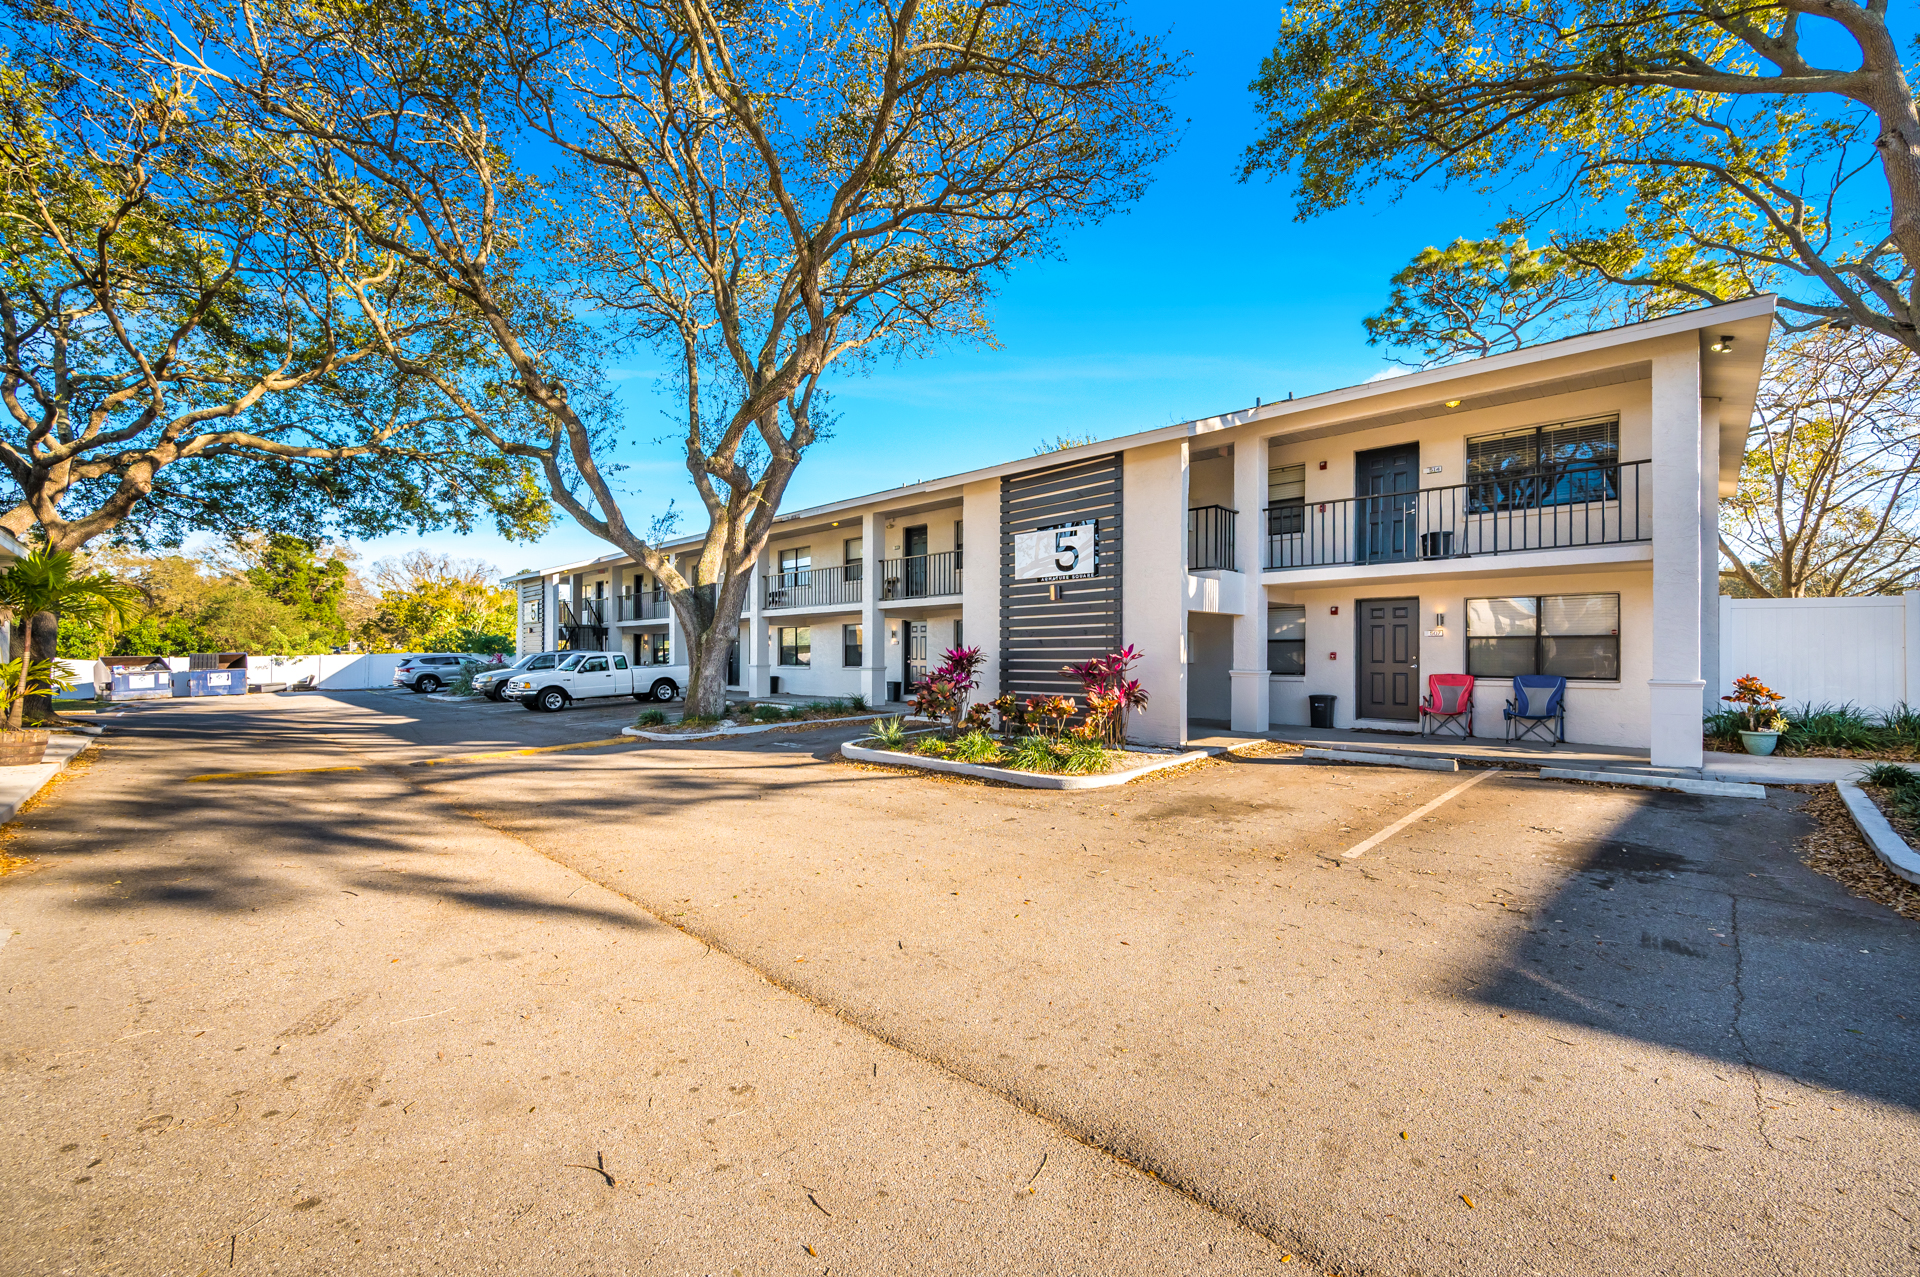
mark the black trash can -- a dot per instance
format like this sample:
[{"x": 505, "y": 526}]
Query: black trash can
[
  {"x": 1320, "y": 713},
  {"x": 773, "y": 686},
  {"x": 893, "y": 691}
]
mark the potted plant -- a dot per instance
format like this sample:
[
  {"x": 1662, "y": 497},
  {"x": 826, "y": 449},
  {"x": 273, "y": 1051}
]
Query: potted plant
[{"x": 1760, "y": 704}]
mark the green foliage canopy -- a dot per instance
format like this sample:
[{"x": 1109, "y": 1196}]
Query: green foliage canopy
[{"x": 1707, "y": 151}]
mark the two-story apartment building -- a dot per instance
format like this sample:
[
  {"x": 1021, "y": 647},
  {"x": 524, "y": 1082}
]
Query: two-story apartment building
[{"x": 1552, "y": 510}]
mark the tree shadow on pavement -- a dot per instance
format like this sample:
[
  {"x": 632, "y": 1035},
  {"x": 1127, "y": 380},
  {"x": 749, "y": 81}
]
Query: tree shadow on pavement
[{"x": 1670, "y": 931}]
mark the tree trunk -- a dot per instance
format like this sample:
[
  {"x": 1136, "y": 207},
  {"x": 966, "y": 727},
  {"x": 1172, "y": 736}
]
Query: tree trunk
[
  {"x": 46, "y": 643},
  {"x": 707, "y": 674},
  {"x": 710, "y": 621},
  {"x": 17, "y": 647}
]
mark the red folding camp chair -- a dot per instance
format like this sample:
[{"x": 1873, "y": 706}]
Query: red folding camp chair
[{"x": 1449, "y": 705}]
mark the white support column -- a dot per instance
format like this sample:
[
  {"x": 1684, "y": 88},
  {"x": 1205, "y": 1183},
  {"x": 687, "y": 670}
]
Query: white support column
[
  {"x": 758, "y": 665},
  {"x": 550, "y": 614},
  {"x": 873, "y": 626},
  {"x": 1676, "y": 689},
  {"x": 1709, "y": 554},
  {"x": 616, "y": 637},
  {"x": 1248, "y": 673}
]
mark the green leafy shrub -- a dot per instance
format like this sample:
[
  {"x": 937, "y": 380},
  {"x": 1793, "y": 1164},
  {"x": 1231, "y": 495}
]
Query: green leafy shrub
[
  {"x": 975, "y": 747},
  {"x": 1891, "y": 775},
  {"x": 1033, "y": 754},
  {"x": 932, "y": 746},
  {"x": 653, "y": 718},
  {"x": 857, "y": 704},
  {"x": 1084, "y": 756},
  {"x": 890, "y": 733}
]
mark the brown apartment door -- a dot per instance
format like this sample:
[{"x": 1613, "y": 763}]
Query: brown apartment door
[{"x": 1390, "y": 659}]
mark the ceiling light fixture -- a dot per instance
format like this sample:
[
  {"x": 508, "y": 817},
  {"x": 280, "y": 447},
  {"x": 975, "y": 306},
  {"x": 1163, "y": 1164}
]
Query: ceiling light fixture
[{"x": 1723, "y": 345}]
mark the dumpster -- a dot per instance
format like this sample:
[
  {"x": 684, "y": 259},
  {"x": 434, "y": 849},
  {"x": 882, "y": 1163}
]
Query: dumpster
[
  {"x": 1320, "y": 711},
  {"x": 142, "y": 685},
  {"x": 217, "y": 682}
]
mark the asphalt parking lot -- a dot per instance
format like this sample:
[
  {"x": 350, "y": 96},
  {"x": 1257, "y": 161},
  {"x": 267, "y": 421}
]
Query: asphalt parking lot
[{"x": 687, "y": 1008}]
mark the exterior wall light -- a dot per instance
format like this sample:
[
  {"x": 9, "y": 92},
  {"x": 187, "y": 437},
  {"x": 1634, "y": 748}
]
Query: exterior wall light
[{"x": 1722, "y": 345}]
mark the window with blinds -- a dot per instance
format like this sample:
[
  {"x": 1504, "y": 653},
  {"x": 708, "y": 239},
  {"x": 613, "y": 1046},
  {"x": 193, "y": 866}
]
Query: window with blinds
[
  {"x": 1286, "y": 639},
  {"x": 1572, "y": 635},
  {"x": 1286, "y": 499},
  {"x": 1562, "y": 464}
]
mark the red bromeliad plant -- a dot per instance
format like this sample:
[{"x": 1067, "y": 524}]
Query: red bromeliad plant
[
  {"x": 1110, "y": 694},
  {"x": 944, "y": 694}
]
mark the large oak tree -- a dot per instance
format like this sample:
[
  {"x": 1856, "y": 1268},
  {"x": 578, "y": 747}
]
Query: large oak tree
[
  {"x": 1709, "y": 149},
  {"x": 761, "y": 192}
]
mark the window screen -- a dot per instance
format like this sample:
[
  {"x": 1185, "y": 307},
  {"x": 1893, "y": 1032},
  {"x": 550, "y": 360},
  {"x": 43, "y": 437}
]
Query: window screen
[
  {"x": 1286, "y": 499},
  {"x": 1286, "y": 640},
  {"x": 1572, "y": 635},
  {"x": 1563, "y": 464}
]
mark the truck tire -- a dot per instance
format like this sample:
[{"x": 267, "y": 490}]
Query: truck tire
[
  {"x": 551, "y": 700},
  {"x": 426, "y": 683},
  {"x": 494, "y": 693},
  {"x": 664, "y": 690}
]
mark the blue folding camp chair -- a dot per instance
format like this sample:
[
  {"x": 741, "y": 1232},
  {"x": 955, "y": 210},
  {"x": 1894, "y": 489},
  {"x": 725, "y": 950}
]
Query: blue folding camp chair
[{"x": 1539, "y": 706}]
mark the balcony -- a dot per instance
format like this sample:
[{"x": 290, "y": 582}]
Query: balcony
[
  {"x": 814, "y": 587},
  {"x": 1210, "y": 539},
  {"x": 921, "y": 576},
  {"x": 1508, "y": 514},
  {"x": 651, "y": 605}
]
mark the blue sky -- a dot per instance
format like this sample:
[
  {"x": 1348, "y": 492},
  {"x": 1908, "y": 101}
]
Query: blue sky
[{"x": 1206, "y": 295}]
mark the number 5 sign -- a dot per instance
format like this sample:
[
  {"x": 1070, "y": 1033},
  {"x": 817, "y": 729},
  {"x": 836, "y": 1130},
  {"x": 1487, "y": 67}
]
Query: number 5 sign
[{"x": 1054, "y": 552}]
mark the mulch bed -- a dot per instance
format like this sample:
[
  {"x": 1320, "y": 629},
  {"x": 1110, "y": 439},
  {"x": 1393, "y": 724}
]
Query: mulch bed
[
  {"x": 1837, "y": 850},
  {"x": 1900, "y": 755}
]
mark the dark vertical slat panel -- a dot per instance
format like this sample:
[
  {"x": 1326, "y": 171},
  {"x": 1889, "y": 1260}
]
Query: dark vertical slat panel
[{"x": 1037, "y": 634}]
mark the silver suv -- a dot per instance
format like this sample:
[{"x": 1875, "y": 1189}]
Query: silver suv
[
  {"x": 432, "y": 672},
  {"x": 494, "y": 681}
]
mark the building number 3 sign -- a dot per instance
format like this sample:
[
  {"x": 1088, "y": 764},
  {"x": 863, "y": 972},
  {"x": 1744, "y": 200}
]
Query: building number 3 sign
[{"x": 1051, "y": 553}]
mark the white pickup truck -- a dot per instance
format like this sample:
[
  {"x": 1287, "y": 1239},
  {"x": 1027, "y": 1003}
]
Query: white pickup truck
[{"x": 582, "y": 676}]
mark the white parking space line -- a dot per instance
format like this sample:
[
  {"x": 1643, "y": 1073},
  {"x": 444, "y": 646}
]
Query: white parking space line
[{"x": 1361, "y": 849}]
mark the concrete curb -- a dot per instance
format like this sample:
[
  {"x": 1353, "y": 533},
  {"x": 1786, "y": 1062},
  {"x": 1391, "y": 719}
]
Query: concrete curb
[
  {"x": 1421, "y": 761},
  {"x": 1681, "y": 784},
  {"x": 1028, "y": 780},
  {"x": 1880, "y": 834},
  {"x": 19, "y": 784},
  {"x": 643, "y": 734}
]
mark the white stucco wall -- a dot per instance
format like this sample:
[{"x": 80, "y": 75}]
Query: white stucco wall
[
  {"x": 1153, "y": 581},
  {"x": 1598, "y": 713}
]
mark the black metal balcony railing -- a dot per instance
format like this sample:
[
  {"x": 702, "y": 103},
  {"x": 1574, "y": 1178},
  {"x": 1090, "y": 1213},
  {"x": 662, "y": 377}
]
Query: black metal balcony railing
[
  {"x": 649, "y": 605},
  {"x": 1210, "y": 539},
  {"x": 920, "y": 576},
  {"x": 813, "y": 587},
  {"x": 1509, "y": 514}
]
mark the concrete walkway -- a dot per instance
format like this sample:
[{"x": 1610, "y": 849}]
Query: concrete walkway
[
  {"x": 18, "y": 784},
  {"x": 1774, "y": 770}
]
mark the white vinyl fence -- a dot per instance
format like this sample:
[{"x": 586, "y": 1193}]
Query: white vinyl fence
[
  {"x": 347, "y": 671},
  {"x": 1825, "y": 651}
]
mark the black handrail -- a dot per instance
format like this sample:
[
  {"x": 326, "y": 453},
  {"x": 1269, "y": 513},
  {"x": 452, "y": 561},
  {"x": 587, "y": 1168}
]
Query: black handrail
[
  {"x": 813, "y": 587},
  {"x": 920, "y": 576},
  {"x": 1210, "y": 538},
  {"x": 1604, "y": 504}
]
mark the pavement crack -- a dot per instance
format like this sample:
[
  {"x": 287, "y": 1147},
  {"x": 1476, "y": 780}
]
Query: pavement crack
[
  {"x": 1137, "y": 1160},
  {"x": 1739, "y": 1031}
]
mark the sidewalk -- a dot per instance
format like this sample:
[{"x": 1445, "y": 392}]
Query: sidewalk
[
  {"x": 18, "y": 784},
  {"x": 1742, "y": 768}
]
